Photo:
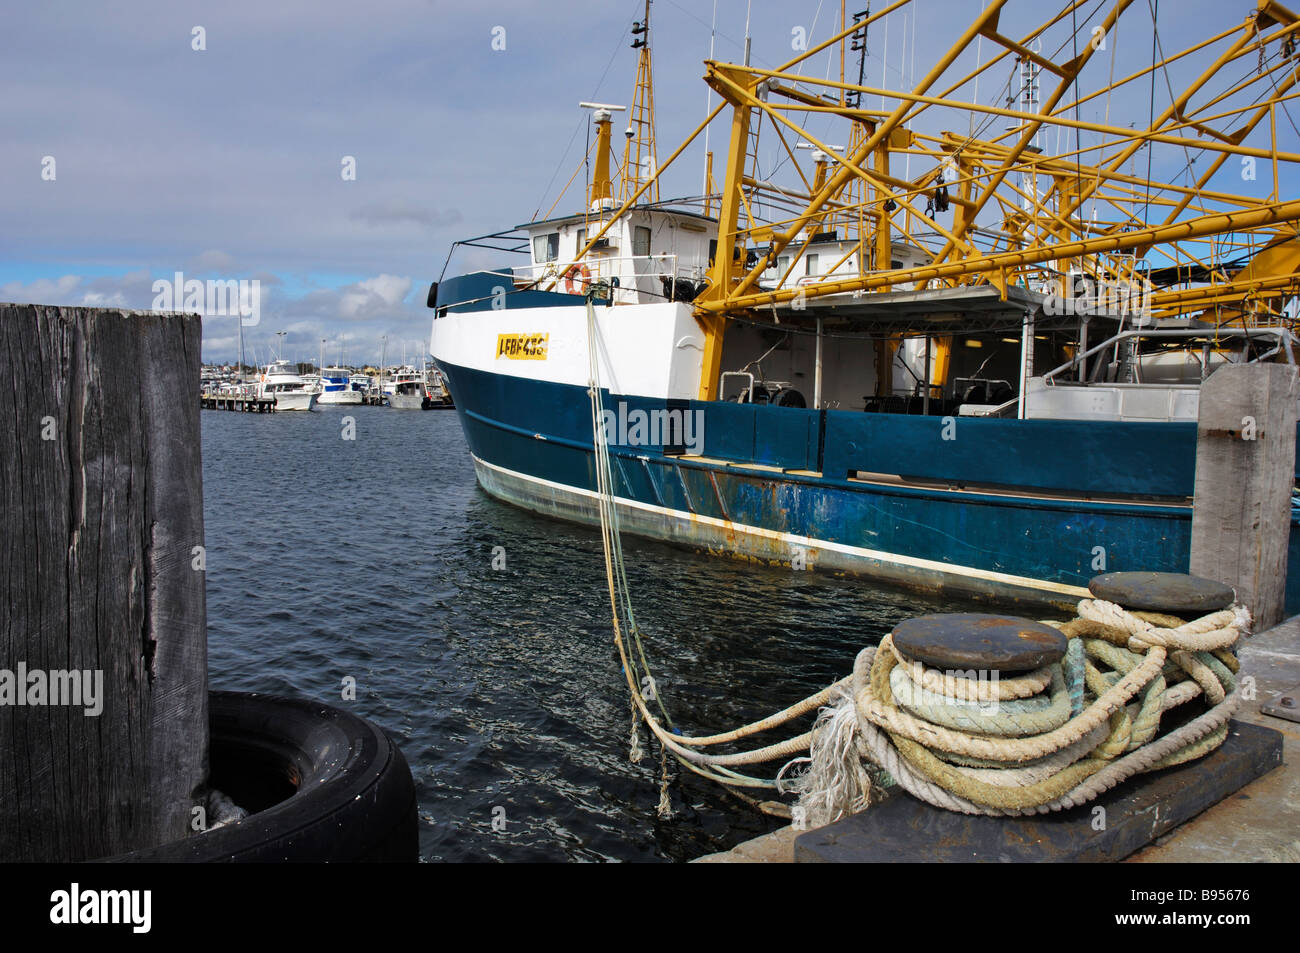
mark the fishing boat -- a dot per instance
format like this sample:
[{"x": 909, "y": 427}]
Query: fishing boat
[
  {"x": 291, "y": 391},
  {"x": 960, "y": 361}
]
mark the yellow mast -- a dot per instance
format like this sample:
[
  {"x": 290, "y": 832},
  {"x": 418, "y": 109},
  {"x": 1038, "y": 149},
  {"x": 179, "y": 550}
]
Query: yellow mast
[
  {"x": 640, "y": 161},
  {"x": 601, "y": 196}
]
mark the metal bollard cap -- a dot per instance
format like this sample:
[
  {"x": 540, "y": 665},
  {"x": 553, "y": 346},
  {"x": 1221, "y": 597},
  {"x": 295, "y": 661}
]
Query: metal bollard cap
[
  {"x": 1173, "y": 593},
  {"x": 973, "y": 640}
]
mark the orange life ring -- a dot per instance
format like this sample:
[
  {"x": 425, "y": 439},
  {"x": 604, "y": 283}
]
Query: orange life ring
[{"x": 573, "y": 272}]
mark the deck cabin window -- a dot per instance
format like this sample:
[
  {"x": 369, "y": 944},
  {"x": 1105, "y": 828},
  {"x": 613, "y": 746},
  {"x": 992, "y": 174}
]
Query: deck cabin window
[
  {"x": 810, "y": 264},
  {"x": 640, "y": 241},
  {"x": 546, "y": 247}
]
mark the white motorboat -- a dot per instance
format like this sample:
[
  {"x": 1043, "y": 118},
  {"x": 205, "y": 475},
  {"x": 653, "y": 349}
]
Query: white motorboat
[
  {"x": 336, "y": 387},
  {"x": 291, "y": 391}
]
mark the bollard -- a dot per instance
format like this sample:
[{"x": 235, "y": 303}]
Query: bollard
[
  {"x": 1245, "y": 469},
  {"x": 101, "y": 577}
]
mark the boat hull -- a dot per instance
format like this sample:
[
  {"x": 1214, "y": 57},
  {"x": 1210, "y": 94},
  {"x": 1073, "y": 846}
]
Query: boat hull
[
  {"x": 777, "y": 548},
  {"x": 531, "y": 446},
  {"x": 285, "y": 401},
  {"x": 339, "y": 397}
]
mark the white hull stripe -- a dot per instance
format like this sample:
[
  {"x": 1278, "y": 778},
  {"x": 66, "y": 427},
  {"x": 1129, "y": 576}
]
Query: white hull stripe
[{"x": 807, "y": 542}]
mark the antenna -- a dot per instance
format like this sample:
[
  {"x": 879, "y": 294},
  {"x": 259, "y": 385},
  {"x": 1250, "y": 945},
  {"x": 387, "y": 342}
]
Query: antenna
[
  {"x": 818, "y": 154},
  {"x": 640, "y": 160},
  {"x": 859, "y": 46}
]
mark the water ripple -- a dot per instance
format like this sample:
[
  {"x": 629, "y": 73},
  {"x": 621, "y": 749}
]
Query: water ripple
[{"x": 372, "y": 559}]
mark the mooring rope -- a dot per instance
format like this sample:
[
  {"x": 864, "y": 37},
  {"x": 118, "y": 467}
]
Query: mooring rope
[
  {"x": 1114, "y": 736},
  {"x": 636, "y": 669},
  {"x": 1030, "y": 743}
]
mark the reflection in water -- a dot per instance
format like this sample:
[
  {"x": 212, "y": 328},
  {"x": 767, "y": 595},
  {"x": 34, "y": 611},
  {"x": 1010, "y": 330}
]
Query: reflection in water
[{"x": 373, "y": 558}]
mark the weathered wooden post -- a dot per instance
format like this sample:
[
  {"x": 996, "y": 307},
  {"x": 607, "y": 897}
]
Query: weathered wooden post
[
  {"x": 1245, "y": 469},
  {"x": 103, "y": 652}
]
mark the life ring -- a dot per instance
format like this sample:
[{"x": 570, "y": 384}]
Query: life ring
[{"x": 574, "y": 272}]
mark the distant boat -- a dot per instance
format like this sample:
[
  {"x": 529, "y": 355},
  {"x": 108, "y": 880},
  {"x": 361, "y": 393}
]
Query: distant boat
[
  {"x": 405, "y": 374},
  {"x": 291, "y": 391},
  {"x": 336, "y": 387},
  {"x": 436, "y": 389},
  {"x": 409, "y": 395}
]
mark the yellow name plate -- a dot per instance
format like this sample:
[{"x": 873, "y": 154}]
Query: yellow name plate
[{"x": 522, "y": 347}]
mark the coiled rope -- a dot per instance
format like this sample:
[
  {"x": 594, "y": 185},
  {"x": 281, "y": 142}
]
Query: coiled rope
[
  {"x": 1033, "y": 743},
  {"x": 1017, "y": 760}
]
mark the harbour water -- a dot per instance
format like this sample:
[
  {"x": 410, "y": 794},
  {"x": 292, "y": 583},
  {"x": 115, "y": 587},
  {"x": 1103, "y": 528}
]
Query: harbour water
[{"x": 373, "y": 558}]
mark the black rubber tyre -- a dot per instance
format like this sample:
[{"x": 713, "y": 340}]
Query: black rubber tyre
[{"x": 320, "y": 785}]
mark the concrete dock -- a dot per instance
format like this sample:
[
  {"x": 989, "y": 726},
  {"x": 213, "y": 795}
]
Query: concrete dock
[{"x": 1260, "y": 823}]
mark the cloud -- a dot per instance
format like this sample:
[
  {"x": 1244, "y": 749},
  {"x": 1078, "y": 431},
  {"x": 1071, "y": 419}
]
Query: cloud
[
  {"x": 213, "y": 261},
  {"x": 98, "y": 299},
  {"x": 43, "y": 291},
  {"x": 373, "y": 296},
  {"x": 380, "y": 215}
]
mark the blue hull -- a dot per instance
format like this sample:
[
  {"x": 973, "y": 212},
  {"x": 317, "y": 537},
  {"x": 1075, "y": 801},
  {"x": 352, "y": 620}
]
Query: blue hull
[{"x": 1001, "y": 510}]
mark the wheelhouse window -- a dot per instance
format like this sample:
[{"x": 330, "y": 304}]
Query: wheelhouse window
[
  {"x": 640, "y": 241},
  {"x": 546, "y": 247}
]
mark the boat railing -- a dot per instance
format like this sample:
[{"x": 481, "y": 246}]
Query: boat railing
[
  {"x": 1283, "y": 336},
  {"x": 747, "y": 392},
  {"x": 555, "y": 275}
]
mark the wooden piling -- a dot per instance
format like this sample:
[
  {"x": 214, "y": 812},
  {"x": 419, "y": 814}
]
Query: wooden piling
[
  {"x": 99, "y": 572},
  {"x": 1245, "y": 469}
]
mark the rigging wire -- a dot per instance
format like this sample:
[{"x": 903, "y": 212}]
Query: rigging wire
[{"x": 1151, "y": 107}]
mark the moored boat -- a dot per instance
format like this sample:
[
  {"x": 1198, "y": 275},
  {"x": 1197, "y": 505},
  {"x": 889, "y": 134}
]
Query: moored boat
[
  {"x": 281, "y": 381},
  {"x": 863, "y": 378},
  {"x": 337, "y": 387}
]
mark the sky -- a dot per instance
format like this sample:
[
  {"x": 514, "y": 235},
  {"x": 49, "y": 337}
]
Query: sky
[{"x": 226, "y": 162}]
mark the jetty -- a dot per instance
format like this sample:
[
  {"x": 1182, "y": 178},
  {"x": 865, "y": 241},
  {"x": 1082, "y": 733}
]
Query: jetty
[{"x": 244, "y": 403}]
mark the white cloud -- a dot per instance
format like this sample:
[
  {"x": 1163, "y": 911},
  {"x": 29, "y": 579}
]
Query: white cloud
[
  {"x": 42, "y": 291},
  {"x": 373, "y": 296},
  {"x": 98, "y": 299}
]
